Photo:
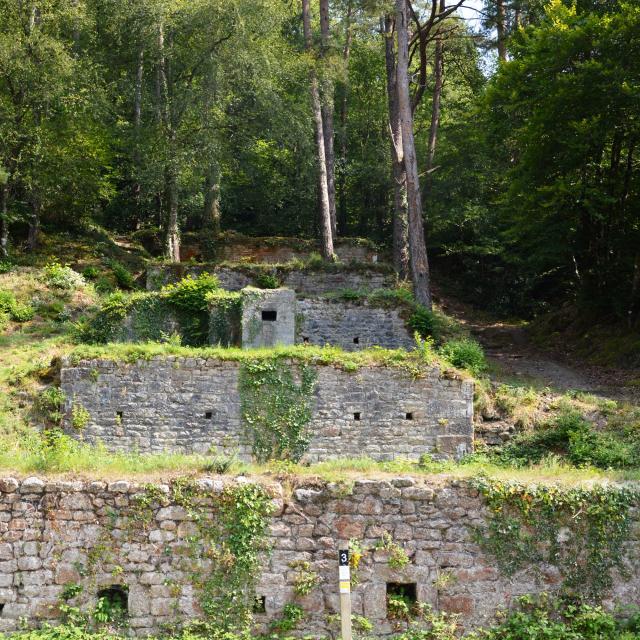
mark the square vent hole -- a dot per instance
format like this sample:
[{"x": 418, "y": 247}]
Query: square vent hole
[
  {"x": 269, "y": 316},
  {"x": 208, "y": 415},
  {"x": 115, "y": 599},
  {"x": 356, "y": 340},
  {"x": 357, "y": 415},
  {"x": 305, "y": 340},
  {"x": 409, "y": 415}
]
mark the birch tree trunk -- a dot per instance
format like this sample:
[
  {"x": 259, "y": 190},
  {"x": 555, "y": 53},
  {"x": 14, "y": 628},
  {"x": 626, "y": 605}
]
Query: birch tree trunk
[
  {"x": 327, "y": 116},
  {"x": 326, "y": 239},
  {"x": 137, "y": 122},
  {"x": 400, "y": 228},
  {"x": 211, "y": 215},
  {"x": 417, "y": 246},
  {"x": 438, "y": 72}
]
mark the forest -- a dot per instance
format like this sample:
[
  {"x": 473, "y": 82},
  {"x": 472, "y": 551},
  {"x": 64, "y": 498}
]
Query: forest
[{"x": 510, "y": 143}]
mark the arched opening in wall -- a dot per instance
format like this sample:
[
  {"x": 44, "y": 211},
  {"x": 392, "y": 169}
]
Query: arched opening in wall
[
  {"x": 401, "y": 599},
  {"x": 113, "y": 602},
  {"x": 260, "y": 604}
]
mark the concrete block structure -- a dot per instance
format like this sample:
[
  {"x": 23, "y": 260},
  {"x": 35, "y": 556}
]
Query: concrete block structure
[{"x": 268, "y": 317}]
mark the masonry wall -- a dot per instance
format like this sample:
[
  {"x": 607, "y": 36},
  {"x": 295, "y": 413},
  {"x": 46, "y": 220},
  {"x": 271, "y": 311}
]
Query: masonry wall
[
  {"x": 55, "y": 533},
  {"x": 307, "y": 281},
  {"x": 191, "y": 405},
  {"x": 351, "y": 326}
]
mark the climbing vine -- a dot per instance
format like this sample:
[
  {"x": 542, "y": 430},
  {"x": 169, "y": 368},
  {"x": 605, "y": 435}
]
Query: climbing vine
[
  {"x": 225, "y": 317},
  {"x": 581, "y": 531},
  {"x": 275, "y": 408},
  {"x": 223, "y": 555}
]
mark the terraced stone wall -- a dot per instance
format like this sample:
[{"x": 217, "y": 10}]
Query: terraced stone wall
[{"x": 192, "y": 405}]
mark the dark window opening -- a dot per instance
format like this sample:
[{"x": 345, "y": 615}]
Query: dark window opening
[
  {"x": 208, "y": 415},
  {"x": 409, "y": 415},
  {"x": 269, "y": 316},
  {"x": 305, "y": 340},
  {"x": 260, "y": 604},
  {"x": 115, "y": 600},
  {"x": 356, "y": 340},
  {"x": 356, "y": 415},
  {"x": 1, "y": 607},
  {"x": 119, "y": 415},
  {"x": 401, "y": 599}
]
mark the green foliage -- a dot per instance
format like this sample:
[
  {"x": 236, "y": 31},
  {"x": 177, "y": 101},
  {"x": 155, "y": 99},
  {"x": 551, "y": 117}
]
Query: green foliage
[
  {"x": 266, "y": 281},
  {"x": 191, "y": 294},
  {"x": 80, "y": 417},
  {"x": 50, "y": 403},
  {"x": 225, "y": 316},
  {"x": 103, "y": 326},
  {"x": 5, "y": 266},
  {"x": 573, "y": 438},
  {"x": 423, "y": 321},
  {"x": 398, "y": 558},
  {"x": 305, "y": 580},
  {"x": 90, "y": 273},
  {"x": 122, "y": 275},
  {"x": 16, "y": 311},
  {"x": 58, "y": 276},
  {"x": 581, "y": 531},
  {"x": 292, "y": 614},
  {"x": 465, "y": 354},
  {"x": 275, "y": 409}
]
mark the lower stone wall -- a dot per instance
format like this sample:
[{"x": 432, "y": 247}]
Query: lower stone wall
[
  {"x": 308, "y": 281},
  {"x": 54, "y": 534},
  {"x": 192, "y": 405},
  {"x": 351, "y": 326}
]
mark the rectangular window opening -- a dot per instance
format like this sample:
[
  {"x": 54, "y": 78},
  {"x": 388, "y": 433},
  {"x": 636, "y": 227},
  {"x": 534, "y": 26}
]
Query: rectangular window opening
[
  {"x": 356, "y": 415},
  {"x": 269, "y": 316},
  {"x": 1, "y": 607},
  {"x": 409, "y": 415},
  {"x": 260, "y": 604},
  {"x": 305, "y": 340},
  {"x": 119, "y": 415},
  {"x": 356, "y": 340},
  {"x": 208, "y": 415}
]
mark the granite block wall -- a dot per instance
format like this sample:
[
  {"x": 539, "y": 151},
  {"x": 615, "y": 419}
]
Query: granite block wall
[
  {"x": 55, "y": 533},
  {"x": 191, "y": 405},
  {"x": 351, "y": 326}
]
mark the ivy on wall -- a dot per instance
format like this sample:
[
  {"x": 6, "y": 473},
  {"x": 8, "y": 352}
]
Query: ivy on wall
[
  {"x": 224, "y": 554},
  {"x": 225, "y": 318},
  {"x": 581, "y": 531},
  {"x": 276, "y": 408}
]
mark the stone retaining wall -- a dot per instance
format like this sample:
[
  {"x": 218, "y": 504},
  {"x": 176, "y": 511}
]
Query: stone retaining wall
[
  {"x": 351, "y": 326},
  {"x": 192, "y": 404},
  {"x": 57, "y": 533},
  {"x": 308, "y": 281}
]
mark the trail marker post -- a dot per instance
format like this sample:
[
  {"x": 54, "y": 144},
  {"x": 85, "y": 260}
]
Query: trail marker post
[{"x": 344, "y": 578}]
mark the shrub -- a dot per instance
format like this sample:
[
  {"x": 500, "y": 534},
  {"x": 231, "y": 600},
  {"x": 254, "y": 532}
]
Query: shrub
[
  {"x": 90, "y": 273},
  {"x": 266, "y": 281},
  {"x": 5, "y": 266},
  {"x": 16, "y": 311},
  {"x": 423, "y": 321},
  {"x": 465, "y": 354},
  {"x": 122, "y": 275},
  {"x": 190, "y": 293},
  {"x": 59, "y": 276}
]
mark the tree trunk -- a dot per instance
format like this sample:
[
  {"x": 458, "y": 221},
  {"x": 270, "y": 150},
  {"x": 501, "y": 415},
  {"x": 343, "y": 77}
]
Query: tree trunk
[
  {"x": 34, "y": 221},
  {"x": 326, "y": 239},
  {"x": 400, "y": 228},
  {"x": 438, "y": 72},
  {"x": 327, "y": 115},
  {"x": 172, "y": 233},
  {"x": 137, "y": 122},
  {"x": 211, "y": 215},
  {"x": 501, "y": 30},
  {"x": 4, "y": 221},
  {"x": 344, "y": 104},
  {"x": 417, "y": 246}
]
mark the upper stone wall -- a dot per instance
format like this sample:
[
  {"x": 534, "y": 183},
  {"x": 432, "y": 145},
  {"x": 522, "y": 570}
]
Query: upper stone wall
[
  {"x": 307, "y": 281},
  {"x": 351, "y": 326},
  {"x": 56, "y": 533},
  {"x": 194, "y": 404}
]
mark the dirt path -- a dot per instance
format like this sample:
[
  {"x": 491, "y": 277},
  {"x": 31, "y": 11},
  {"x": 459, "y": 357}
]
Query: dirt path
[{"x": 514, "y": 356}]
